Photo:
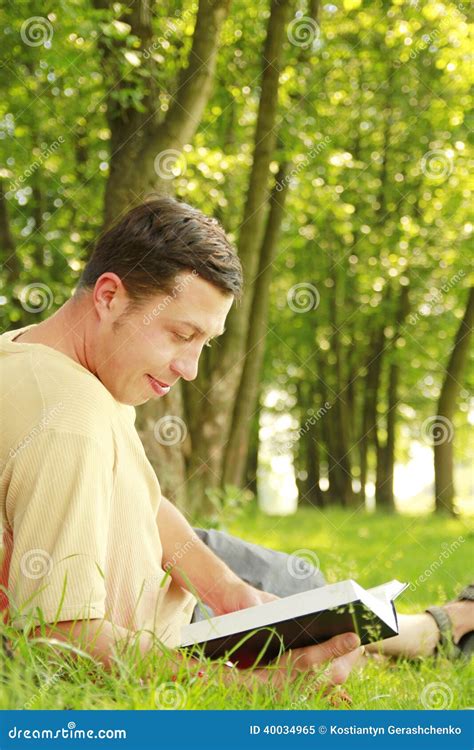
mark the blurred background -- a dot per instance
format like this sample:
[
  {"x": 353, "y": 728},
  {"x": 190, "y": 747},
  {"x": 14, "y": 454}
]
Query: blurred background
[{"x": 330, "y": 140}]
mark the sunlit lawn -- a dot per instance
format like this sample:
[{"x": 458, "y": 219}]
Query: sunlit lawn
[
  {"x": 370, "y": 548},
  {"x": 374, "y": 548}
]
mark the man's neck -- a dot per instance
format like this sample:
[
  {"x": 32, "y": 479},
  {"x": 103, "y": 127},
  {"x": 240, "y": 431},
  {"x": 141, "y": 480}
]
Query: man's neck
[{"x": 65, "y": 331}]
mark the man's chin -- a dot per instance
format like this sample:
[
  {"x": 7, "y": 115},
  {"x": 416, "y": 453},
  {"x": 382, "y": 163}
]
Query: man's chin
[
  {"x": 140, "y": 403},
  {"x": 132, "y": 401},
  {"x": 127, "y": 400}
]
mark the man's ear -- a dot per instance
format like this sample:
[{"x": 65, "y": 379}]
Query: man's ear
[{"x": 109, "y": 296}]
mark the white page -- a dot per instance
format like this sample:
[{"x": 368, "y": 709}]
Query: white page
[
  {"x": 388, "y": 591},
  {"x": 380, "y": 604},
  {"x": 308, "y": 602},
  {"x": 305, "y": 603}
]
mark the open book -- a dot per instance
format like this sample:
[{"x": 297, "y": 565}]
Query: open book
[{"x": 300, "y": 620}]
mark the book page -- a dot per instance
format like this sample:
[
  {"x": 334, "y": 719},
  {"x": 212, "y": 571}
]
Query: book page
[
  {"x": 289, "y": 607},
  {"x": 388, "y": 591}
]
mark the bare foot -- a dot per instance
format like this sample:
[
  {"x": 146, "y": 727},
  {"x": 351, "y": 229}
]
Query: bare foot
[{"x": 461, "y": 615}]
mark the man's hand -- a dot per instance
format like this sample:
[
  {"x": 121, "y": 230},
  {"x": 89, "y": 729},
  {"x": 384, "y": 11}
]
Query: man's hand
[
  {"x": 328, "y": 663},
  {"x": 332, "y": 660},
  {"x": 198, "y": 569},
  {"x": 240, "y": 595},
  {"x": 213, "y": 581}
]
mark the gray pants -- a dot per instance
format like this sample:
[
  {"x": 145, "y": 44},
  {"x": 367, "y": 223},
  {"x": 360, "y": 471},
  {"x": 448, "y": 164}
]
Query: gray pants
[{"x": 265, "y": 569}]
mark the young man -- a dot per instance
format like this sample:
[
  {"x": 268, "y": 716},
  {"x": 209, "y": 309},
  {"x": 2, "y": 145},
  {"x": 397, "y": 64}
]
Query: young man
[{"x": 86, "y": 530}]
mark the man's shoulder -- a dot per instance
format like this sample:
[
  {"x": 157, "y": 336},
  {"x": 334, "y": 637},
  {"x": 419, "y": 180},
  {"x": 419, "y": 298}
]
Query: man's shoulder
[{"x": 41, "y": 388}]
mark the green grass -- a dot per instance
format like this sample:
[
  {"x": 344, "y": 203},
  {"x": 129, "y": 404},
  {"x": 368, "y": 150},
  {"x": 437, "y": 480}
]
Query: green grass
[{"x": 370, "y": 548}]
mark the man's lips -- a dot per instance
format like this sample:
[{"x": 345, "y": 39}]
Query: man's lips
[{"x": 160, "y": 388}]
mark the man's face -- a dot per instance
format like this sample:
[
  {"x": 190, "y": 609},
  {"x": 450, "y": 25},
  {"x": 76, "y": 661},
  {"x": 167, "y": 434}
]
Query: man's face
[{"x": 138, "y": 353}]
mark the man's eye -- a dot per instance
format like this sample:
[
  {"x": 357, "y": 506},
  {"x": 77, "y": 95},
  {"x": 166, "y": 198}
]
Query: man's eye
[{"x": 182, "y": 338}]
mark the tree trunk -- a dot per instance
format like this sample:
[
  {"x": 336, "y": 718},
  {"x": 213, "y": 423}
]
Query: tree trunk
[
  {"x": 338, "y": 427},
  {"x": 376, "y": 349},
  {"x": 237, "y": 447},
  {"x": 442, "y": 428},
  {"x": 166, "y": 441},
  {"x": 253, "y": 452},
  {"x": 245, "y": 402},
  {"x": 369, "y": 412},
  {"x": 137, "y": 138},
  {"x": 217, "y": 395},
  {"x": 386, "y": 452},
  {"x": 11, "y": 264},
  {"x": 308, "y": 460}
]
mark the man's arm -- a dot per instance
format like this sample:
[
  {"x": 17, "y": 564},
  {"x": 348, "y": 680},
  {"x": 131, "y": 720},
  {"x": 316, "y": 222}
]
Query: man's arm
[
  {"x": 103, "y": 640},
  {"x": 224, "y": 592},
  {"x": 218, "y": 585},
  {"x": 195, "y": 567}
]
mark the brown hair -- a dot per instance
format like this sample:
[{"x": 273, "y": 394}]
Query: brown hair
[{"x": 155, "y": 241}]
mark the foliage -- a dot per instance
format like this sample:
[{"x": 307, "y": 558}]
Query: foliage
[{"x": 372, "y": 124}]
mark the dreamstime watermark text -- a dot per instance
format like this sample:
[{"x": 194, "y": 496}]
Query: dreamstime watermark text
[
  {"x": 180, "y": 286},
  {"x": 448, "y": 550}
]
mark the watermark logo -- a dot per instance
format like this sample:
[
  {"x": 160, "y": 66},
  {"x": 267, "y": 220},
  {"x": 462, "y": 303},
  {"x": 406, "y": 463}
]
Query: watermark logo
[
  {"x": 437, "y": 164},
  {"x": 437, "y": 696},
  {"x": 36, "y": 297},
  {"x": 303, "y": 297},
  {"x": 170, "y": 696},
  {"x": 303, "y": 163},
  {"x": 435, "y": 297},
  {"x": 302, "y": 564},
  {"x": 169, "y": 164},
  {"x": 448, "y": 549},
  {"x": 180, "y": 551},
  {"x": 449, "y": 19},
  {"x": 163, "y": 41},
  {"x": 50, "y": 681},
  {"x": 170, "y": 430},
  {"x": 308, "y": 423},
  {"x": 303, "y": 31},
  {"x": 34, "y": 166},
  {"x": 37, "y": 31},
  {"x": 42, "y": 424},
  {"x": 36, "y": 564},
  {"x": 437, "y": 430}
]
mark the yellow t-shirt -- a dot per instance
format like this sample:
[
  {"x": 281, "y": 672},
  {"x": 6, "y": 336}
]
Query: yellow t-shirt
[{"x": 79, "y": 501}]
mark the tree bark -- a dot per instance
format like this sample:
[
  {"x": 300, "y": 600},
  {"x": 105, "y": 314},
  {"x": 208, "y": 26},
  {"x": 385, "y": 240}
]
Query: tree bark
[
  {"x": 386, "y": 452},
  {"x": 11, "y": 264},
  {"x": 307, "y": 455},
  {"x": 245, "y": 402},
  {"x": 220, "y": 389},
  {"x": 369, "y": 412},
  {"x": 339, "y": 427},
  {"x": 138, "y": 137},
  {"x": 253, "y": 451},
  {"x": 442, "y": 429},
  {"x": 369, "y": 436},
  {"x": 166, "y": 443},
  {"x": 237, "y": 447}
]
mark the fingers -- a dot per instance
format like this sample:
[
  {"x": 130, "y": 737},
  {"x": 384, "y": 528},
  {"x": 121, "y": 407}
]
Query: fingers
[
  {"x": 338, "y": 646},
  {"x": 339, "y": 669},
  {"x": 313, "y": 656},
  {"x": 335, "y": 657}
]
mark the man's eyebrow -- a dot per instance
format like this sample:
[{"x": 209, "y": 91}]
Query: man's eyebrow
[{"x": 197, "y": 328}]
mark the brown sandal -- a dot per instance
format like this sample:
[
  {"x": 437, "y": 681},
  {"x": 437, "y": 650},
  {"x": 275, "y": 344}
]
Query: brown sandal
[{"x": 465, "y": 648}]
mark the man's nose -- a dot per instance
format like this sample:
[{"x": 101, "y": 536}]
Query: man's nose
[{"x": 186, "y": 368}]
